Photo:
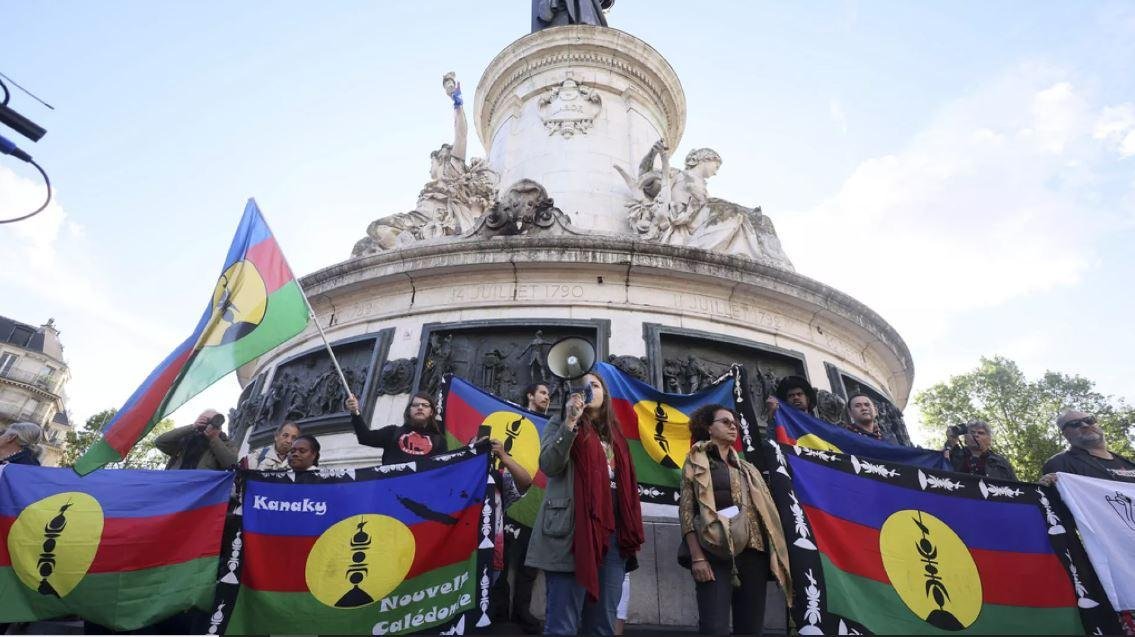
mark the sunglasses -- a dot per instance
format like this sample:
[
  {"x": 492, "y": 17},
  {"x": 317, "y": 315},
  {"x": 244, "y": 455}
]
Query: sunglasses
[{"x": 1079, "y": 422}]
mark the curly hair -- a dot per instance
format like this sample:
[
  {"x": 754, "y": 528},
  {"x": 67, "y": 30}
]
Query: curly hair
[
  {"x": 702, "y": 419},
  {"x": 699, "y": 155}
]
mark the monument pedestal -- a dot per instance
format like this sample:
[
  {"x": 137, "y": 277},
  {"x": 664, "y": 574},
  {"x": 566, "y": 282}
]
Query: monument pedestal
[{"x": 569, "y": 246}]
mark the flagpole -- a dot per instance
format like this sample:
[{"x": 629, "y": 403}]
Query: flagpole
[
  {"x": 311, "y": 314},
  {"x": 323, "y": 335}
]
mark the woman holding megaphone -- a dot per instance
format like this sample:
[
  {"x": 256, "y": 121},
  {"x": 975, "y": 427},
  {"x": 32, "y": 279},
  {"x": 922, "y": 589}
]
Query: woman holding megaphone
[{"x": 589, "y": 528}]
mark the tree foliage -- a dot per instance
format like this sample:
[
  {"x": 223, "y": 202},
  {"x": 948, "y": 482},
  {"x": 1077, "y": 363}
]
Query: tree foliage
[
  {"x": 1021, "y": 412},
  {"x": 144, "y": 455}
]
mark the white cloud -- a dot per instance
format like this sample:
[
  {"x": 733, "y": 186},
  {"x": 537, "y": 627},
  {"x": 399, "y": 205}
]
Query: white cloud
[
  {"x": 992, "y": 201},
  {"x": 1116, "y": 125},
  {"x": 47, "y": 269}
]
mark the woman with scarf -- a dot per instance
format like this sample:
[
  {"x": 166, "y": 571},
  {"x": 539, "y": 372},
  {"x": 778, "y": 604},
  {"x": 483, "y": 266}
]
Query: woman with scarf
[
  {"x": 589, "y": 528},
  {"x": 730, "y": 525}
]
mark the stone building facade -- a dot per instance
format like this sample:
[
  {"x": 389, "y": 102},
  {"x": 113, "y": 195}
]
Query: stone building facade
[{"x": 33, "y": 378}]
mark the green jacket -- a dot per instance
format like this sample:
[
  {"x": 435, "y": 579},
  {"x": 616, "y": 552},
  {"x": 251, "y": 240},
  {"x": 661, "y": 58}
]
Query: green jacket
[
  {"x": 550, "y": 548},
  {"x": 221, "y": 453}
]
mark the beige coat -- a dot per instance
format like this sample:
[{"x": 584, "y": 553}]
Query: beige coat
[{"x": 697, "y": 488}]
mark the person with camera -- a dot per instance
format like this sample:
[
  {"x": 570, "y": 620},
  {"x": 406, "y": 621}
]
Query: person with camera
[
  {"x": 201, "y": 445},
  {"x": 975, "y": 456}
]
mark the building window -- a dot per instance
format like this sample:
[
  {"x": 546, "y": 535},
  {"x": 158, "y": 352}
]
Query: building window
[
  {"x": 7, "y": 359},
  {"x": 20, "y": 336}
]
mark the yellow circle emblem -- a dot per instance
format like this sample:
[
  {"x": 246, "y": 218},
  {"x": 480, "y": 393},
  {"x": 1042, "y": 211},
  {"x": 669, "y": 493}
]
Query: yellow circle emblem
[
  {"x": 931, "y": 569},
  {"x": 239, "y": 303},
  {"x": 812, "y": 441},
  {"x": 664, "y": 432},
  {"x": 519, "y": 437},
  {"x": 53, "y": 542},
  {"x": 359, "y": 560}
]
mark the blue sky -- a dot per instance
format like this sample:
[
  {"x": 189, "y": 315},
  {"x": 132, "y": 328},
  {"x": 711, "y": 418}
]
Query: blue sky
[{"x": 967, "y": 169}]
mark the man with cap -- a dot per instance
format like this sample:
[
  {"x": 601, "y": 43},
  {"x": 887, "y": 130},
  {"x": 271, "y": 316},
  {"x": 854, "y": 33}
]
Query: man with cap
[
  {"x": 1087, "y": 453},
  {"x": 795, "y": 391}
]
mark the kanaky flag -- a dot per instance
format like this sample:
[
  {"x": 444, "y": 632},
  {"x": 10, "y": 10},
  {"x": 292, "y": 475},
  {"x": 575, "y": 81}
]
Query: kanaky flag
[
  {"x": 656, "y": 426},
  {"x": 390, "y": 550},
  {"x": 466, "y": 408},
  {"x": 794, "y": 427},
  {"x": 122, "y": 548},
  {"x": 886, "y": 548},
  {"x": 255, "y": 306}
]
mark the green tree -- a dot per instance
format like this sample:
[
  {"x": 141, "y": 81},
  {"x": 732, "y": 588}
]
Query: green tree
[
  {"x": 1022, "y": 412},
  {"x": 144, "y": 455}
]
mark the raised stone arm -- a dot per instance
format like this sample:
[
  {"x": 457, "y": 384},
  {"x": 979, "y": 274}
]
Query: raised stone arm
[{"x": 460, "y": 126}]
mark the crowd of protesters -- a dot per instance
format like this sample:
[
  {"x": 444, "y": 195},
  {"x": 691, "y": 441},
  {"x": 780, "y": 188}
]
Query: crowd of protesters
[{"x": 589, "y": 529}]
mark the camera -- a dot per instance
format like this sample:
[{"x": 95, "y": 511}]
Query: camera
[
  {"x": 957, "y": 430},
  {"x": 214, "y": 423}
]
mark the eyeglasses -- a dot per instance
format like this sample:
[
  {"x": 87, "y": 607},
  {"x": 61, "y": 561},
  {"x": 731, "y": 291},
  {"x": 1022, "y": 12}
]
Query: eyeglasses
[
  {"x": 1079, "y": 422},
  {"x": 728, "y": 422},
  {"x": 422, "y": 405}
]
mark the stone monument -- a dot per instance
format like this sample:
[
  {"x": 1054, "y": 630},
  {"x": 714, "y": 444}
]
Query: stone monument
[{"x": 577, "y": 223}]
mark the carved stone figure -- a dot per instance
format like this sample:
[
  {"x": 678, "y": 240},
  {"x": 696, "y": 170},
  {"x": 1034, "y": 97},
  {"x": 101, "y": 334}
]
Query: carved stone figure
[
  {"x": 569, "y": 108},
  {"x": 554, "y": 13},
  {"x": 535, "y": 352},
  {"x": 633, "y": 366},
  {"x": 438, "y": 362},
  {"x": 666, "y": 201},
  {"x": 496, "y": 376},
  {"x": 830, "y": 407},
  {"x": 673, "y": 206},
  {"x": 525, "y": 208},
  {"x": 457, "y": 194},
  {"x": 396, "y": 377}
]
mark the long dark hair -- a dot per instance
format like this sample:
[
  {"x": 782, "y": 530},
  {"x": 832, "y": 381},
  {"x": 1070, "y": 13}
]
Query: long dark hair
[{"x": 602, "y": 418}]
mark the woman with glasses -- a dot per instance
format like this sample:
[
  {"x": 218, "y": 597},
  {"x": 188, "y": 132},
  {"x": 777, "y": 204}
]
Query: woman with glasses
[
  {"x": 417, "y": 436},
  {"x": 730, "y": 525}
]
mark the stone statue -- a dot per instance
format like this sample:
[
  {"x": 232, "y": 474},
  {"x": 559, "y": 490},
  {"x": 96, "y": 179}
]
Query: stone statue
[
  {"x": 450, "y": 204},
  {"x": 555, "y": 13},
  {"x": 672, "y": 206},
  {"x": 830, "y": 407},
  {"x": 535, "y": 353},
  {"x": 668, "y": 202},
  {"x": 523, "y": 208}
]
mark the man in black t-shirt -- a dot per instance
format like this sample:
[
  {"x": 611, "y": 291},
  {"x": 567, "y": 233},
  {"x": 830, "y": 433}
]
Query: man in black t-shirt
[
  {"x": 1087, "y": 453},
  {"x": 418, "y": 435}
]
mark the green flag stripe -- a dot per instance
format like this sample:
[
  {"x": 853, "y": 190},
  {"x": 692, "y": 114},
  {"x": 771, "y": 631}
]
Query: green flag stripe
[
  {"x": 287, "y": 316},
  {"x": 650, "y": 472},
  {"x": 857, "y": 597},
  {"x": 261, "y": 612},
  {"x": 123, "y": 601}
]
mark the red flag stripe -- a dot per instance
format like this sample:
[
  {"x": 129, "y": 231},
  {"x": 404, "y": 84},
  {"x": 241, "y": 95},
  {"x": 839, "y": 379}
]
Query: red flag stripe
[
  {"x": 129, "y": 425},
  {"x": 270, "y": 264},
  {"x": 280, "y": 560},
  {"x": 132, "y": 544},
  {"x": 1007, "y": 578}
]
